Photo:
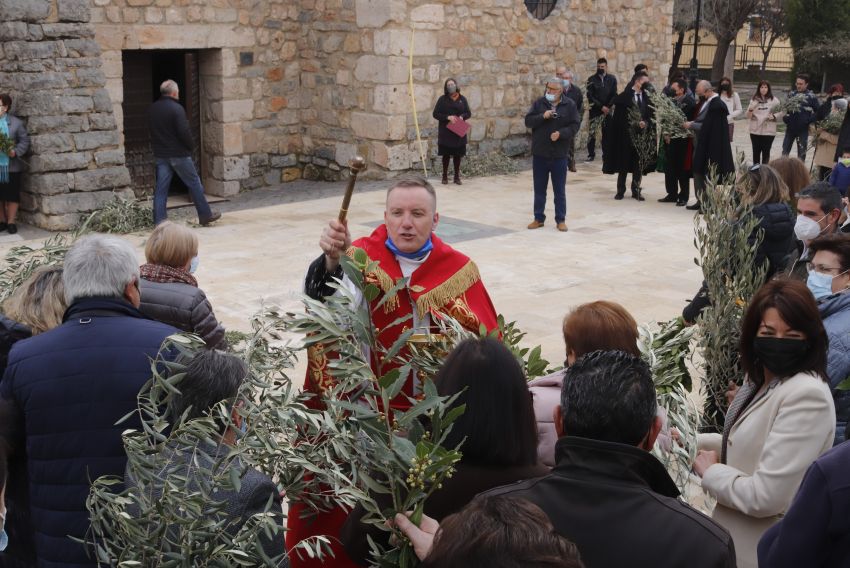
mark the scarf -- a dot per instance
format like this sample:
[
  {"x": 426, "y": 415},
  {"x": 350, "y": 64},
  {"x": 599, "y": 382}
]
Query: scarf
[
  {"x": 454, "y": 96},
  {"x": 166, "y": 275},
  {"x": 4, "y": 157},
  {"x": 423, "y": 250}
]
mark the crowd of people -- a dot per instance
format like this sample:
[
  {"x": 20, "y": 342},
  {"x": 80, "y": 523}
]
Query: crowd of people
[{"x": 553, "y": 471}]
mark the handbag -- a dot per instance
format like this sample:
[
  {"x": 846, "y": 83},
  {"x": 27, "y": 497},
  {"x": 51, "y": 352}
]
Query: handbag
[{"x": 459, "y": 127}]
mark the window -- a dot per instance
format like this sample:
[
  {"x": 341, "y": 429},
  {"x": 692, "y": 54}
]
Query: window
[{"x": 540, "y": 9}]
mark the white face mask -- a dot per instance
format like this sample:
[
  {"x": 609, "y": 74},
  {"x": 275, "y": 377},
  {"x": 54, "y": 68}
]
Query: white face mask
[
  {"x": 807, "y": 229},
  {"x": 193, "y": 266}
]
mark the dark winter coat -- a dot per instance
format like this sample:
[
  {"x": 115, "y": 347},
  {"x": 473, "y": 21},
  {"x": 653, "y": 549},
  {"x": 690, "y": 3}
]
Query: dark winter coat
[
  {"x": 815, "y": 532},
  {"x": 839, "y": 178},
  {"x": 69, "y": 387},
  {"x": 601, "y": 90},
  {"x": 169, "y": 128},
  {"x": 712, "y": 145},
  {"x": 826, "y": 107},
  {"x": 10, "y": 333},
  {"x": 619, "y": 506},
  {"x": 620, "y": 155},
  {"x": 776, "y": 224},
  {"x": 799, "y": 121},
  {"x": 444, "y": 108},
  {"x": 184, "y": 306},
  {"x": 566, "y": 123},
  {"x": 575, "y": 94},
  {"x": 467, "y": 482}
]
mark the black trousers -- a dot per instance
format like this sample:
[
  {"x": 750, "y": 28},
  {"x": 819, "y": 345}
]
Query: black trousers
[
  {"x": 621, "y": 180},
  {"x": 677, "y": 181},
  {"x": 761, "y": 148},
  {"x": 591, "y": 137}
]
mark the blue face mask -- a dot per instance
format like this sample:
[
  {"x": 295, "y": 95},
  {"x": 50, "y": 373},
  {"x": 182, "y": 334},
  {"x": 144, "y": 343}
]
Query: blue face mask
[
  {"x": 819, "y": 284},
  {"x": 194, "y": 264},
  {"x": 550, "y": 97},
  {"x": 566, "y": 84},
  {"x": 416, "y": 255},
  {"x": 4, "y": 539}
]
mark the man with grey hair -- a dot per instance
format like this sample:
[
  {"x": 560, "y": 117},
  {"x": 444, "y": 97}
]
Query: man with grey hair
[
  {"x": 171, "y": 140},
  {"x": 573, "y": 92},
  {"x": 65, "y": 390}
]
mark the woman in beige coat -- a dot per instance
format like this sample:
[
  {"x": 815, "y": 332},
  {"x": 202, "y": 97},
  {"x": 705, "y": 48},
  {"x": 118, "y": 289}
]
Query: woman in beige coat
[
  {"x": 781, "y": 420},
  {"x": 763, "y": 112}
]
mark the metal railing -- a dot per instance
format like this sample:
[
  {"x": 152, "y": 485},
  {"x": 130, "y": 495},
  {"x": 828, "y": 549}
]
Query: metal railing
[{"x": 780, "y": 58}]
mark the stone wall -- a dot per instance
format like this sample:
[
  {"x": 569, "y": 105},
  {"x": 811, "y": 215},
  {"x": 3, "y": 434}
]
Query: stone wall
[{"x": 49, "y": 63}]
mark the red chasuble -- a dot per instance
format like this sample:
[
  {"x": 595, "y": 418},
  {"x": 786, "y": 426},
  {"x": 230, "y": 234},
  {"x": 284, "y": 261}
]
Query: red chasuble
[{"x": 448, "y": 283}]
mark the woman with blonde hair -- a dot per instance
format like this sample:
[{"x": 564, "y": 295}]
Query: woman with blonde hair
[
  {"x": 794, "y": 173},
  {"x": 168, "y": 287},
  {"x": 39, "y": 303}
]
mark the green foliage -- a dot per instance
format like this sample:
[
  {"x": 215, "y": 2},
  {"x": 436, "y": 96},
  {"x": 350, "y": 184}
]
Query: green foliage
[
  {"x": 668, "y": 116},
  {"x": 793, "y": 103},
  {"x": 488, "y": 164},
  {"x": 533, "y": 364},
  {"x": 6, "y": 144},
  {"x": 21, "y": 261},
  {"x": 589, "y": 126},
  {"x": 815, "y": 21},
  {"x": 832, "y": 123},
  {"x": 727, "y": 257},
  {"x": 643, "y": 139},
  {"x": 120, "y": 215}
]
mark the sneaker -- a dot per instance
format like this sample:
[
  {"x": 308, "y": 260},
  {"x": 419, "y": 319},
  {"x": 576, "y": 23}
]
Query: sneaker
[
  {"x": 562, "y": 227},
  {"x": 214, "y": 216},
  {"x": 535, "y": 224},
  {"x": 12, "y": 228}
]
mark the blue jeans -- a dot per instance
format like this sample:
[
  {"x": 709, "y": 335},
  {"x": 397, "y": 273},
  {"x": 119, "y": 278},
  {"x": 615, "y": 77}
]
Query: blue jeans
[
  {"x": 185, "y": 170},
  {"x": 542, "y": 168},
  {"x": 802, "y": 139}
]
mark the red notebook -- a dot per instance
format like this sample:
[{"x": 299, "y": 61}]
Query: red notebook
[{"x": 459, "y": 127}]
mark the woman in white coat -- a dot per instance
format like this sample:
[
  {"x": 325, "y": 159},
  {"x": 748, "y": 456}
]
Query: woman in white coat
[
  {"x": 781, "y": 420},
  {"x": 733, "y": 102}
]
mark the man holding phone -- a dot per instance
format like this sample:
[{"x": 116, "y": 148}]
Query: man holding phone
[{"x": 554, "y": 122}]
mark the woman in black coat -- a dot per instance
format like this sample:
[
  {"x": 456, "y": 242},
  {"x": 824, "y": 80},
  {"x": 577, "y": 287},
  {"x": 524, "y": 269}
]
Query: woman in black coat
[{"x": 451, "y": 107}]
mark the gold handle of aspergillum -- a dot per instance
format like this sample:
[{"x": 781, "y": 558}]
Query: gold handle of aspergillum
[{"x": 357, "y": 164}]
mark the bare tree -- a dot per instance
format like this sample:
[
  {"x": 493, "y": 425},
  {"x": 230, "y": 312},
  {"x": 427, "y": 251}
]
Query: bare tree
[
  {"x": 684, "y": 18},
  {"x": 771, "y": 16},
  {"x": 725, "y": 18}
]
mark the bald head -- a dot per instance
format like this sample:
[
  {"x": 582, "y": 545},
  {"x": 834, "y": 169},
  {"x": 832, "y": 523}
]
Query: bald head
[{"x": 704, "y": 88}]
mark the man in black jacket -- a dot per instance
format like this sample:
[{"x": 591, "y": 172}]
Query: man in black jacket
[
  {"x": 798, "y": 122},
  {"x": 607, "y": 493},
  {"x": 572, "y": 92},
  {"x": 172, "y": 144},
  {"x": 554, "y": 121},
  {"x": 712, "y": 147},
  {"x": 601, "y": 90},
  {"x": 677, "y": 178}
]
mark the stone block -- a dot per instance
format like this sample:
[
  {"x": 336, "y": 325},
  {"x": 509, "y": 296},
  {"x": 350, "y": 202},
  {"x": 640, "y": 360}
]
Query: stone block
[
  {"x": 344, "y": 152},
  {"x": 397, "y": 42},
  {"x": 48, "y": 184},
  {"x": 101, "y": 178},
  {"x": 102, "y": 101},
  {"x": 272, "y": 177},
  {"x": 102, "y": 121},
  {"x": 140, "y": 3},
  {"x": 290, "y": 174},
  {"x": 13, "y": 30},
  {"x": 109, "y": 158},
  {"x": 77, "y": 202},
  {"x": 96, "y": 139},
  {"x": 221, "y": 188},
  {"x": 66, "y": 30},
  {"x": 428, "y": 16},
  {"x": 376, "y": 127},
  {"x": 376, "y": 13},
  {"x": 478, "y": 130},
  {"x": 229, "y": 168},
  {"x": 73, "y": 10},
  {"x": 53, "y": 222},
  {"x": 233, "y": 110},
  {"x": 390, "y": 157},
  {"x": 24, "y": 10},
  {"x": 28, "y": 50},
  {"x": 90, "y": 78},
  {"x": 395, "y": 99},
  {"x": 51, "y": 143},
  {"x": 76, "y": 104},
  {"x": 85, "y": 47},
  {"x": 283, "y": 161},
  {"x": 59, "y": 162},
  {"x": 154, "y": 15},
  {"x": 62, "y": 123},
  {"x": 232, "y": 142},
  {"x": 381, "y": 69},
  {"x": 516, "y": 146}
]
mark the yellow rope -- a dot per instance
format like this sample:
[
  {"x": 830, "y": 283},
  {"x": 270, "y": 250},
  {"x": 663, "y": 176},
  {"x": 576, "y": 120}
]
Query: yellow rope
[{"x": 413, "y": 100}]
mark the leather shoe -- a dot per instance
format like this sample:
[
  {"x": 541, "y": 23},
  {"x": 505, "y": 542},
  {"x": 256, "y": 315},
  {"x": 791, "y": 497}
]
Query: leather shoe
[
  {"x": 457, "y": 181},
  {"x": 681, "y": 203},
  {"x": 535, "y": 224},
  {"x": 619, "y": 196},
  {"x": 695, "y": 207},
  {"x": 214, "y": 216},
  {"x": 572, "y": 167},
  {"x": 562, "y": 227},
  {"x": 12, "y": 228},
  {"x": 667, "y": 199},
  {"x": 638, "y": 196}
]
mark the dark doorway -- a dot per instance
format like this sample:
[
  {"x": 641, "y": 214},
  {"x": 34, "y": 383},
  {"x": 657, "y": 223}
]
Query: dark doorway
[{"x": 144, "y": 72}]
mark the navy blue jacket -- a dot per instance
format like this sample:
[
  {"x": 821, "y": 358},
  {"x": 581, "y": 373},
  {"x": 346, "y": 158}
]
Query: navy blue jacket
[
  {"x": 171, "y": 136},
  {"x": 835, "y": 312},
  {"x": 816, "y": 529},
  {"x": 840, "y": 178},
  {"x": 70, "y": 386},
  {"x": 566, "y": 123}
]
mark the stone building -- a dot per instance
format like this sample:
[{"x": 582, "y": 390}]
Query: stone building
[{"x": 281, "y": 89}]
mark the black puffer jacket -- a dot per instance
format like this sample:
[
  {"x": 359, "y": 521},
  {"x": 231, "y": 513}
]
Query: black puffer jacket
[
  {"x": 185, "y": 307},
  {"x": 776, "y": 221},
  {"x": 10, "y": 332}
]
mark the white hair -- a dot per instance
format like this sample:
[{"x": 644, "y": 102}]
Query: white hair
[
  {"x": 99, "y": 265},
  {"x": 168, "y": 87},
  {"x": 553, "y": 79},
  {"x": 839, "y": 104}
]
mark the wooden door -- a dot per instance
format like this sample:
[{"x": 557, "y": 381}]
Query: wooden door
[{"x": 138, "y": 69}]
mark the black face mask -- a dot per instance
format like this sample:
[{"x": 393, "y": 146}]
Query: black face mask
[
  {"x": 725, "y": 87},
  {"x": 702, "y": 98},
  {"x": 600, "y": 71},
  {"x": 781, "y": 356}
]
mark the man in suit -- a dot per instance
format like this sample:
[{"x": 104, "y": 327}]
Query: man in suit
[
  {"x": 607, "y": 493},
  {"x": 573, "y": 92},
  {"x": 676, "y": 171},
  {"x": 601, "y": 90},
  {"x": 712, "y": 148},
  {"x": 211, "y": 378},
  {"x": 621, "y": 157}
]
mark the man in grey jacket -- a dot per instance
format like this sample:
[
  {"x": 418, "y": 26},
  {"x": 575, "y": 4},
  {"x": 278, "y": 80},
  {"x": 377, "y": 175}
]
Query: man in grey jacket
[{"x": 11, "y": 165}]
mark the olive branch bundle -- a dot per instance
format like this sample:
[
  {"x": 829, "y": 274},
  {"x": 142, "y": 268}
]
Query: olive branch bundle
[
  {"x": 832, "y": 123},
  {"x": 669, "y": 118},
  {"x": 643, "y": 139},
  {"x": 6, "y": 144},
  {"x": 795, "y": 102}
]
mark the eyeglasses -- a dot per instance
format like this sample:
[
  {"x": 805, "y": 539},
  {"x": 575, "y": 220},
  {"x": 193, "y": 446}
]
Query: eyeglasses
[{"x": 832, "y": 271}]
